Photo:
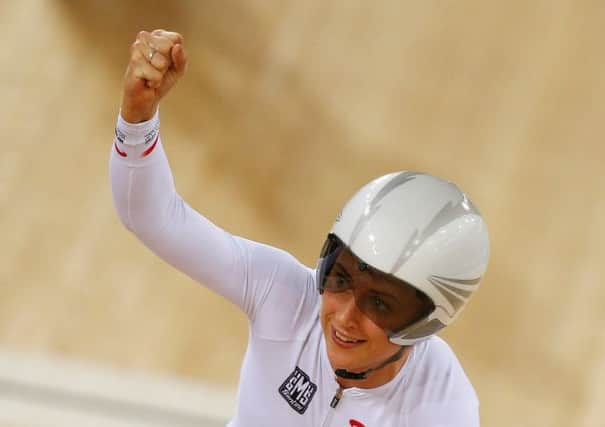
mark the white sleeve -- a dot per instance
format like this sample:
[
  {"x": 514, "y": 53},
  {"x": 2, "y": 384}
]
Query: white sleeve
[{"x": 147, "y": 203}]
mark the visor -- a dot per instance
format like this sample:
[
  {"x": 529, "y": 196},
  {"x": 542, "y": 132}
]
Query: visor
[{"x": 389, "y": 302}]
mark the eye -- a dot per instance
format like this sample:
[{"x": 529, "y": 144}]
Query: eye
[
  {"x": 380, "y": 305},
  {"x": 337, "y": 282},
  {"x": 342, "y": 280}
]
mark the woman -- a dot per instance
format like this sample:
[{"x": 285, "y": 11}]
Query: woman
[{"x": 350, "y": 343}]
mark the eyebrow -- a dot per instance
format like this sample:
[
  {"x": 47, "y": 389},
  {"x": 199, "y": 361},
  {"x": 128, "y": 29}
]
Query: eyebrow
[
  {"x": 391, "y": 281},
  {"x": 374, "y": 275},
  {"x": 343, "y": 269},
  {"x": 384, "y": 294}
]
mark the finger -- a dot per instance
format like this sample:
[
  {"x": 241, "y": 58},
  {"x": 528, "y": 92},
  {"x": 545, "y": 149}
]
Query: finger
[
  {"x": 143, "y": 48},
  {"x": 161, "y": 44},
  {"x": 143, "y": 70},
  {"x": 174, "y": 37},
  {"x": 149, "y": 44},
  {"x": 152, "y": 55},
  {"x": 144, "y": 37},
  {"x": 179, "y": 59},
  {"x": 159, "y": 61}
]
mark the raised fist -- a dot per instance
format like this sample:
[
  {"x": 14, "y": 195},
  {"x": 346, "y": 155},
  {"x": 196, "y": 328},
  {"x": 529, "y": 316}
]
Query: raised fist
[{"x": 157, "y": 61}]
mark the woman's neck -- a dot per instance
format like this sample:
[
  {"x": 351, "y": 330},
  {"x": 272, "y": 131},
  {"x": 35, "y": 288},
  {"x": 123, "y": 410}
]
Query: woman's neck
[{"x": 380, "y": 376}]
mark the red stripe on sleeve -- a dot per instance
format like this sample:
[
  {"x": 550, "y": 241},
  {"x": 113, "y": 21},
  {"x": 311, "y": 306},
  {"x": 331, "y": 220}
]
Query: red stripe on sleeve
[
  {"x": 150, "y": 149},
  {"x": 121, "y": 153}
]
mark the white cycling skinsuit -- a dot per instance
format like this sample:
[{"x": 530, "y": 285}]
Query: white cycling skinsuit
[{"x": 286, "y": 377}]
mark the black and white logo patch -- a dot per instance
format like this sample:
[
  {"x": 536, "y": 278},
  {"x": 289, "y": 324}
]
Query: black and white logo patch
[{"x": 298, "y": 390}]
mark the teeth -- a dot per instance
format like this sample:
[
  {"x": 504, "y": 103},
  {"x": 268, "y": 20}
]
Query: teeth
[{"x": 345, "y": 338}]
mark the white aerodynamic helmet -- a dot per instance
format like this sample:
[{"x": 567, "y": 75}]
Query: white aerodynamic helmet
[{"x": 421, "y": 230}]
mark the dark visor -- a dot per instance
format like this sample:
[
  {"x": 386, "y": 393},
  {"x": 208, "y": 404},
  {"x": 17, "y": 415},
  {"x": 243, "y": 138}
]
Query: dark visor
[{"x": 389, "y": 302}]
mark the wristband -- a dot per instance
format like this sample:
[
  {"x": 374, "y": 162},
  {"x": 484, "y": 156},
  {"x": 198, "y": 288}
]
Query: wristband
[{"x": 137, "y": 133}]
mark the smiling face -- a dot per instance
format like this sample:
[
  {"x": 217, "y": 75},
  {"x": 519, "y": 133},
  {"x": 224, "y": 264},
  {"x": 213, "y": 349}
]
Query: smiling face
[{"x": 358, "y": 305}]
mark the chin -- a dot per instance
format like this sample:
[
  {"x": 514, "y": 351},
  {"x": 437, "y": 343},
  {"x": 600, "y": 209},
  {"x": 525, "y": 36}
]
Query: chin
[
  {"x": 344, "y": 359},
  {"x": 344, "y": 363}
]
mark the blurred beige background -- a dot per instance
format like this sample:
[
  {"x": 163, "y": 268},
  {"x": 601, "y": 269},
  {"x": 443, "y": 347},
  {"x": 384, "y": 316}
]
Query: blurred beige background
[{"x": 286, "y": 109}]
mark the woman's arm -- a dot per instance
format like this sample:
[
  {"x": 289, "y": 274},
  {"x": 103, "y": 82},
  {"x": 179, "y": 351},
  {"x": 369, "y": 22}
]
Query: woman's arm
[{"x": 249, "y": 274}]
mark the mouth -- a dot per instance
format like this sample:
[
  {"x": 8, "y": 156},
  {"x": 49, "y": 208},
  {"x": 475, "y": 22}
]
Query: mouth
[{"x": 344, "y": 340}]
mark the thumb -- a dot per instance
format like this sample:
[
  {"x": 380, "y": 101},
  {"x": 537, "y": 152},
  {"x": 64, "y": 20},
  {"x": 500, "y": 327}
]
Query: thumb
[
  {"x": 179, "y": 58},
  {"x": 135, "y": 80}
]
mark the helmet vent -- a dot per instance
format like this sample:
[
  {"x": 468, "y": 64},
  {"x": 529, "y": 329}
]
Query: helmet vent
[
  {"x": 451, "y": 211},
  {"x": 397, "y": 181},
  {"x": 455, "y": 293}
]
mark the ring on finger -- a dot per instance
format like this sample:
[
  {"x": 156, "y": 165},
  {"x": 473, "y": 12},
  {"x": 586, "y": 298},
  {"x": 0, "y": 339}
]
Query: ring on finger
[{"x": 152, "y": 52}]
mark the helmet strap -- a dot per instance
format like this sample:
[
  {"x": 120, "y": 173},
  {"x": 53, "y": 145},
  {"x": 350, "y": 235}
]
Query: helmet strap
[{"x": 343, "y": 373}]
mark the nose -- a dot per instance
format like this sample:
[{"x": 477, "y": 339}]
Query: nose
[{"x": 348, "y": 313}]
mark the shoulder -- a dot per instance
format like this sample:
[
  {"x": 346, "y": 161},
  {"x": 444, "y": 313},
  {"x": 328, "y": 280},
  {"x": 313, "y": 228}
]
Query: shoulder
[
  {"x": 268, "y": 267},
  {"x": 434, "y": 364},
  {"x": 437, "y": 384},
  {"x": 436, "y": 353},
  {"x": 281, "y": 292}
]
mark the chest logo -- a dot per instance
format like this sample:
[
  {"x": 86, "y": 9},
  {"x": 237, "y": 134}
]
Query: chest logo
[
  {"x": 355, "y": 423},
  {"x": 298, "y": 390}
]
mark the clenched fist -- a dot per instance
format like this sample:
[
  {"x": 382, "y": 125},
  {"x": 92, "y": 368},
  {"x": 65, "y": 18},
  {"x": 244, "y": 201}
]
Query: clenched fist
[{"x": 157, "y": 61}]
